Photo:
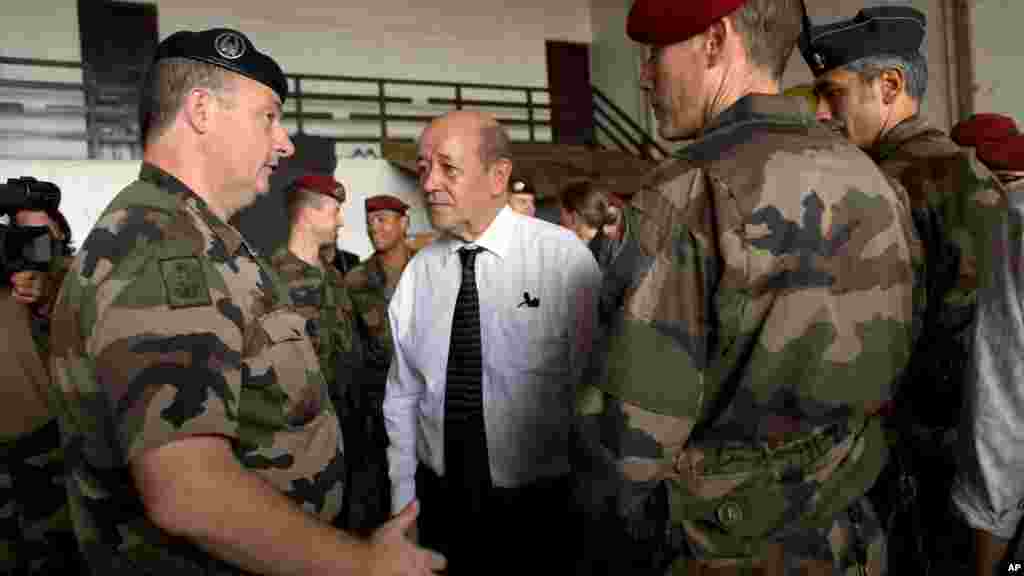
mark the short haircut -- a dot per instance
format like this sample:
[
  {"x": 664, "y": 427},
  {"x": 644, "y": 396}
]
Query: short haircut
[
  {"x": 166, "y": 86},
  {"x": 591, "y": 201},
  {"x": 914, "y": 67},
  {"x": 770, "y": 29},
  {"x": 494, "y": 144},
  {"x": 298, "y": 198}
]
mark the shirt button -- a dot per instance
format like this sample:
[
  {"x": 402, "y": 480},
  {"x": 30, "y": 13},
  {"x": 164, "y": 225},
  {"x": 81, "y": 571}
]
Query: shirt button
[{"x": 729, "y": 513}]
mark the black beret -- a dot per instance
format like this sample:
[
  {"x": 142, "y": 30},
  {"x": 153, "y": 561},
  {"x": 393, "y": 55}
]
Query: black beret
[
  {"x": 228, "y": 49},
  {"x": 873, "y": 31}
]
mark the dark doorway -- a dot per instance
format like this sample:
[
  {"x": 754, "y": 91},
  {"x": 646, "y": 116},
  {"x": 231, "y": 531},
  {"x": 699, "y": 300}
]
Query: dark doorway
[
  {"x": 118, "y": 41},
  {"x": 572, "y": 105}
]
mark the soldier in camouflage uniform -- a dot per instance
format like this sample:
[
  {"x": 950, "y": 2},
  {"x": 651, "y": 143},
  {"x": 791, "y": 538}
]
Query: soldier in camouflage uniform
[
  {"x": 372, "y": 283},
  {"x": 338, "y": 334},
  {"x": 36, "y": 530},
  {"x": 766, "y": 322},
  {"x": 197, "y": 428},
  {"x": 871, "y": 78},
  {"x": 315, "y": 286},
  {"x": 989, "y": 487}
]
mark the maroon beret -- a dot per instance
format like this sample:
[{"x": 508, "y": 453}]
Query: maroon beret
[
  {"x": 385, "y": 202},
  {"x": 1006, "y": 154},
  {"x": 984, "y": 127},
  {"x": 323, "y": 184},
  {"x": 663, "y": 22}
]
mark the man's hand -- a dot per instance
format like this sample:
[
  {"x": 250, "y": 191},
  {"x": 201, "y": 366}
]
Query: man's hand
[
  {"x": 392, "y": 552},
  {"x": 28, "y": 286}
]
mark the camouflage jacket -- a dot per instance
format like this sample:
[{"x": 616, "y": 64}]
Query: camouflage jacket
[
  {"x": 764, "y": 326},
  {"x": 371, "y": 286},
  {"x": 320, "y": 296},
  {"x": 951, "y": 194},
  {"x": 168, "y": 326}
]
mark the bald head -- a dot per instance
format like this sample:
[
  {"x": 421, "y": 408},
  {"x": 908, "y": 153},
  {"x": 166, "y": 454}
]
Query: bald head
[{"x": 463, "y": 165}]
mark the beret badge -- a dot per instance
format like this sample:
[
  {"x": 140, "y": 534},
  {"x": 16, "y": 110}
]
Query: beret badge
[
  {"x": 229, "y": 45},
  {"x": 819, "y": 61}
]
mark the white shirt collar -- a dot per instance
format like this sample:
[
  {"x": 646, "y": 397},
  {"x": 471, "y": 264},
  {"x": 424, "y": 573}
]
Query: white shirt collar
[{"x": 495, "y": 238}]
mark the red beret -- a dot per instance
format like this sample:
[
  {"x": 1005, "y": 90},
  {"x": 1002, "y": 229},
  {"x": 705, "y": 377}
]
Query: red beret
[
  {"x": 663, "y": 22},
  {"x": 385, "y": 202},
  {"x": 1006, "y": 154},
  {"x": 983, "y": 128},
  {"x": 323, "y": 184}
]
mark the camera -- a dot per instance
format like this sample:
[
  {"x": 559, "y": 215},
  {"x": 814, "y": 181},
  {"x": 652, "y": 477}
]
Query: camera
[{"x": 26, "y": 247}]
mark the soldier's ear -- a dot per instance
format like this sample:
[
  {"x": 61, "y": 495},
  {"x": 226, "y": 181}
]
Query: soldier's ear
[
  {"x": 892, "y": 83},
  {"x": 714, "y": 40},
  {"x": 197, "y": 109}
]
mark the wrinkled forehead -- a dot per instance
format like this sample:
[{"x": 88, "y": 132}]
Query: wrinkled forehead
[{"x": 446, "y": 139}]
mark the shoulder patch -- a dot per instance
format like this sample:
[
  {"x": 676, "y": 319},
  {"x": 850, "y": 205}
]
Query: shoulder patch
[{"x": 185, "y": 282}]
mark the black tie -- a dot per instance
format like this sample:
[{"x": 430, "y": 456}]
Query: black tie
[{"x": 467, "y": 467}]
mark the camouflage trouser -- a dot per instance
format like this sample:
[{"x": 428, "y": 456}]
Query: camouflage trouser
[{"x": 36, "y": 529}]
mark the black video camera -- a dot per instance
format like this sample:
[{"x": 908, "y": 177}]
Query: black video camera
[{"x": 27, "y": 247}]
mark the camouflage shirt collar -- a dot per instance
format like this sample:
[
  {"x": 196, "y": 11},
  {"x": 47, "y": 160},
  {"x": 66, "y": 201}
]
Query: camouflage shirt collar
[
  {"x": 899, "y": 135},
  {"x": 231, "y": 238},
  {"x": 284, "y": 259},
  {"x": 771, "y": 109}
]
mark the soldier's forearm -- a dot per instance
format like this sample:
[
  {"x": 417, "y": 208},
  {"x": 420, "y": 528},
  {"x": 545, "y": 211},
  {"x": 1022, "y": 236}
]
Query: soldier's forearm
[{"x": 196, "y": 489}]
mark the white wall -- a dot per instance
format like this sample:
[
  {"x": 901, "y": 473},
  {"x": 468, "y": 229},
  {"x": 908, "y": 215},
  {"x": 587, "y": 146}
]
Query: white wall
[
  {"x": 88, "y": 186},
  {"x": 480, "y": 41},
  {"x": 998, "y": 84},
  {"x": 615, "y": 59}
]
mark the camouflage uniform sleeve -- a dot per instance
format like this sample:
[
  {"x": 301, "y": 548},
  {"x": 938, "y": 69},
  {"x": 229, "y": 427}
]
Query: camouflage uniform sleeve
[{"x": 162, "y": 340}]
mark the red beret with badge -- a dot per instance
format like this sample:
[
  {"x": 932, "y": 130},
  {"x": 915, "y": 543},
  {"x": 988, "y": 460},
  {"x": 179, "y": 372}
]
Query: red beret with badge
[
  {"x": 984, "y": 127},
  {"x": 386, "y": 202},
  {"x": 322, "y": 184},
  {"x": 663, "y": 22}
]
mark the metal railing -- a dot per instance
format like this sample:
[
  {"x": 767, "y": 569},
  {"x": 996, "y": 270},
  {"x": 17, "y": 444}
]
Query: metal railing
[{"x": 357, "y": 112}]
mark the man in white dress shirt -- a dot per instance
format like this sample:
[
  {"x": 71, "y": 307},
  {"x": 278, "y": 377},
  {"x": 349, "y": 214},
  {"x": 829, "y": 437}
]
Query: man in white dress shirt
[{"x": 492, "y": 325}]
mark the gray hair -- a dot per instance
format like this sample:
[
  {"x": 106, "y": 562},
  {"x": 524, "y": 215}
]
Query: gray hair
[{"x": 913, "y": 66}]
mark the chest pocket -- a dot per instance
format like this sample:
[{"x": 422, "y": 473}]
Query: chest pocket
[
  {"x": 282, "y": 387},
  {"x": 534, "y": 341}
]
